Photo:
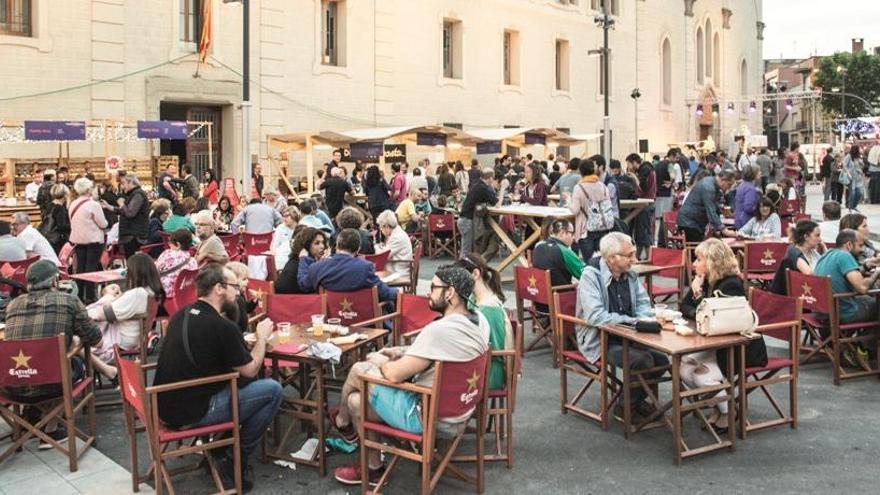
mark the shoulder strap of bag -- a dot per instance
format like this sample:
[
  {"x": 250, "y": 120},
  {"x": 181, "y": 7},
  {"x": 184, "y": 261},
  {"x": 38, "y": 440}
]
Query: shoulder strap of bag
[
  {"x": 174, "y": 268},
  {"x": 76, "y": 208},
  {"x": 186, "y": 347}
]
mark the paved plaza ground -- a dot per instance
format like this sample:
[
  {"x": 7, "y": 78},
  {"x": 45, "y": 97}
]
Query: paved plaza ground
[{"x": 834, "y": 449}]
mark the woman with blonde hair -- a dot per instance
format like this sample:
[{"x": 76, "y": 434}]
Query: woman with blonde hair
[{"x": 717, "y": 274}]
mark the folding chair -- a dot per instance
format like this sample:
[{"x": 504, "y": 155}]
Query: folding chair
[
  {"x": 379, "y": 260},
  {"x": 780, "y": 318},
  {"x": 232, "y": 244},
  {"x": 259, "y": 290},
  {"x": 823, "y": 324},
  {"x": 17, "y": 270},
  {"x": 413, "y": 314},
  {"x": 458, "y": 390},
  {"x": 674, "y": 237},
  {"x": 789, "y": 207},
  {"x": 761, "y": 260},
  {"x": 533, "y": 285},
  {"x": 148, "y": 322},
  {"x": 141, "y": 404},
  {"x": 184, "y": 291},
  {"x": 673, "y": 260},
  {"x": 356, "y": 308},
  {"x": 256, "y": 244},
  {"x": 573, "y": 361},
  {"x": 414, "y": 265},
  {"x": 46, "y": 361},
  {"x": 447, "y": 240}
]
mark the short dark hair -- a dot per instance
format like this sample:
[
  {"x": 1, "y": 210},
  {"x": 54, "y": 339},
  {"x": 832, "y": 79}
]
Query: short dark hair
[
  {"x": 801, "y": 230},
  {"x": 187, "y": 169},
  {"x": 831, "y": 210},
  {"x": 844, "y": 236},
  {"x": 349, "y": 218},
  {"x": 587, "y": 167},
  {"x": 208, "y": 277},
  {"x": 726, "y": 175},
  {"x": 182, "y": 237},
  {"x": 308, "y": 207},
  {"x": 634, "y": 157},
  {"x": 348, "y": 240},
  {"x": 615, "y": 164},
  {"x": 598, "y": 160}
]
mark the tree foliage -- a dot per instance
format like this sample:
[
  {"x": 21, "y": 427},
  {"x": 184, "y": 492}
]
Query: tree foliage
[{"x": 860, "y": 76}]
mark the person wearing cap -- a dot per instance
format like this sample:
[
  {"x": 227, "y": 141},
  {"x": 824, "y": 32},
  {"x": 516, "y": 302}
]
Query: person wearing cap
[
  {"x": 460, "y": 335},
  {"x": 42, "y": 312},
  {"x": 11, "y": 247},
  {"x": 257, "y": 218}
]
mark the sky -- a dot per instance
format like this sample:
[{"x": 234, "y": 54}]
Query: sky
[{"x": 801, "y": 28}]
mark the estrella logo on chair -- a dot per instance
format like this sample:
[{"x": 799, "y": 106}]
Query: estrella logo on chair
[
  {"x": 807, "y": 295},
  {"x": 22, "y": 369},
  {"x": 768, "y": 259},
  {"x": 532, "y": 288},
  {"x": 346, "y": 312},
  {"x": 471, "y": 394}
]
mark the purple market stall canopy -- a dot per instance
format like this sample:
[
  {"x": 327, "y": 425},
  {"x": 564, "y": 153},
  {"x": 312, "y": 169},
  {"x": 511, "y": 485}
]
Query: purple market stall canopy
[{"x": 97, "y": 131}]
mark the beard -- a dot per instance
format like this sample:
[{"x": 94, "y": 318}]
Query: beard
[
  {"x": 438, "y": 306},
  {"x": 230, "y": 310}
]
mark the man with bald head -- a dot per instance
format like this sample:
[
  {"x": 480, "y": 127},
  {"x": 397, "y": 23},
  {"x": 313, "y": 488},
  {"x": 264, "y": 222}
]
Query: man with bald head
[{"x": 335, "y": 188}]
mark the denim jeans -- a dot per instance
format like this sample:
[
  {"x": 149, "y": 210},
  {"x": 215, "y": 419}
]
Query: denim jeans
[
  {"x": 258, "y": 403},
  {"x": 466, "y": 229},
  {"x": 854, "y": 198},
  {"x": 639, "y": 359}
]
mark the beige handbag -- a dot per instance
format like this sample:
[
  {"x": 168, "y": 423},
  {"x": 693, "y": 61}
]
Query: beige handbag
[{"x": 722, "y": 315}]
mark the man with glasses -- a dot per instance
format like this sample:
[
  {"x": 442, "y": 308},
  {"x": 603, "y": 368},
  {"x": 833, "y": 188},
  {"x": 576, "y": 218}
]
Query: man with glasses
[
  {"x": 211, "y": 248},
  {"x": 201, "y": 343},
  {"x": 459, "y": 336},
  {"x": 555, "y": 253},
  {"x": 609, "y": 292}
]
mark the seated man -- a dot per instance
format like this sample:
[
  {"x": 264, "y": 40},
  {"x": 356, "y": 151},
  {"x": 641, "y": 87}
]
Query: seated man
[
  {"x": 216, "y": 346},
  {"x": 609, "y": 292},
  {"x": 34, "y": 242},
  {"x": 11, "y": 248},
  {"x": 458, "y": 336},
  {"x": 840, "y": 264},
  {"x": 342, "y": 271},
  {"x": 830, "y": 224},
  {"x": 45, "y": 312},
  {"x": 256, "y": 218},
  {"x": 211, "y": 248},
  {"x": 407, "y": 215},
  {"x": 555, "y": 255}
]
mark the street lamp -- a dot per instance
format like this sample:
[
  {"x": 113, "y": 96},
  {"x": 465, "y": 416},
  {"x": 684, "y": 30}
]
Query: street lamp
[
  {"x": 606, "y": 23},
  {"x": 245, "y": 95}
]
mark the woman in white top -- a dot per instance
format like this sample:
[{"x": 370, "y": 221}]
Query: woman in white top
[
  {"x": 120, "y": 317},
  {"x": 397, "y": 242},
  {"x": 765, "y": 224},
  {"x": 283, "y": 235}
]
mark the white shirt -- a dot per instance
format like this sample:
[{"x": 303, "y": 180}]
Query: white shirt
[
  {"x": 401, "y": 252},
  {"x": 30, "y": 191},
  {"x": 281, "y": 245},
  {"x": 874, "y": 155},
  {"x": 676, "y": 173},
  {"x": 35, "y": 243}
]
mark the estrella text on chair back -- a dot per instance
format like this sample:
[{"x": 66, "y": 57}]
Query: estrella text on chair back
[
  {"x": 532, "y": 284},
  {"x": 441, "y": 223},
  {"x": 255, "y": 244},
  {"x": 814, "y": 291},
  {"x": 764, "y": 257},
  {"x": 30, "y": 362},
  {"x": 461, "y": 386},
  {"x": 352, "y": 307}
]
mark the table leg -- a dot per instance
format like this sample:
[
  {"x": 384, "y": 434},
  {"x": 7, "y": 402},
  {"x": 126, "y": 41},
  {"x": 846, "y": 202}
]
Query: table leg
[
  {"x": 603, "y": 379},
  {"x": 627, "y": 391},
  {"x": 515, "y": 251},
  {"x": 633, "y": 212},
  {"x": 676, "y": 407},
  {"x": 319, "y": 419},
  {"x": 731, "y": 396}
]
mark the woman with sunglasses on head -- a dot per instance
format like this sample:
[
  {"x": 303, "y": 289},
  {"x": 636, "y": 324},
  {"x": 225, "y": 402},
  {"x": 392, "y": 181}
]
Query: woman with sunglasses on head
[{"x": 488, "y": 298}]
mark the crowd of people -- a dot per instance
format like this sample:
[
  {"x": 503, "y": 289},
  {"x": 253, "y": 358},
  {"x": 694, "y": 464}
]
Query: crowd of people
[{"x": 318, "y": 242}]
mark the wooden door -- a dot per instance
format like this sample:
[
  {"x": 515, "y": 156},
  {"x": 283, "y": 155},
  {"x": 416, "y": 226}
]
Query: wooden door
[{"x": 197, "y": 144}]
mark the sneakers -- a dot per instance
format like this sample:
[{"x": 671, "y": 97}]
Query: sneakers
[
  {"x": 351, "y": 475},
  {"x": 348, "y": 432},
  {"x": 59, "y": 435}
]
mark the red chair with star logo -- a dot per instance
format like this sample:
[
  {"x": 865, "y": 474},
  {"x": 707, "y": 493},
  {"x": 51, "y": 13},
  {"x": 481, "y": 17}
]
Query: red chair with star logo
[
  {"x": 442, "y": 235},
  {"x": 354, "y": 309},
  {"x": 533, "y": 286},
  {"x": 46, "y": 361},
  {"x": 761, "y": 260},
  {"x": 832, "y": 338},
  {"x": 184, "y": 292},
  {"x": 458, "y": 391},
  {"x": 673, "y": 261},
  {"x": 571, "y": 360},
  {"x": 780, "y": 318},
  {"x": 17, "y": 270},
  {"x": 256, "y": 244},
  {"x": 788, "y": 208},
  {"x": 166, "y": 444},
  {"x": 413, "y": 314}
]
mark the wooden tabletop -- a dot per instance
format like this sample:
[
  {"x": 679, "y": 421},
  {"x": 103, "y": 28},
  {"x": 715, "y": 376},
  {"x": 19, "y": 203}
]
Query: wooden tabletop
[
  {"x": 102, "y": 277},
  {"x": 632, "y": 203},
  {"x": 645, "y": 269},
  {"x": 674, "y": 344},
  {"x": 527, "y": 210},
  {"x": 299, "y": 337}
]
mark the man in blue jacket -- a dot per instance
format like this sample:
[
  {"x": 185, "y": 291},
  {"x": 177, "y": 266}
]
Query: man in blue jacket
[
  {"x": 343, "y": 271},
  {"x": 701, "y": 207}
]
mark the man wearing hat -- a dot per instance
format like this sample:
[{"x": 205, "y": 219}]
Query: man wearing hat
[
  {"x": 45, "y": 312},
  {"x": 458, "y": 336}
]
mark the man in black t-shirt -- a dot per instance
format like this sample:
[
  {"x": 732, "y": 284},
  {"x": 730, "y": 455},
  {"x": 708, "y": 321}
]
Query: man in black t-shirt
[
  {"x": 335, "y": 188},
  {"x": 202, "y": 343}
]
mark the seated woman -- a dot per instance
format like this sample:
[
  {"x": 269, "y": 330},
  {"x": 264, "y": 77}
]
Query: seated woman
[
  {"x": 716, "y": 269},
  {"x": 802, "y": 255},
  {"x": 160, "y": 212},
  {"x": 224, "y": 214},
  {"x": 307, "y": 241},
  {"x": 175, "y": 259},
  {"x": 765, "y": 224},
  {"x": 120, "y": 317},
  {"x": 243, "y": 307},
  {"x": 489, "y": 300},
  {"x": 283, "y": 235},
  {"x": 180, "y": 216},
  {"x": 396, "y": 241},
  {"x": 869, "y": 257}
]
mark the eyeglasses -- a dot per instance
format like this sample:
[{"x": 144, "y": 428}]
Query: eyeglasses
[
  {"x": 226, "y": 285},
  {"x": 631, "y": 254}
]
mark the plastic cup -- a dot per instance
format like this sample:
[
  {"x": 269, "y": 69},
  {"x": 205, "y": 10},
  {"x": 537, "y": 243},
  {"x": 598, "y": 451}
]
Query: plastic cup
[
  {"x": 318, "y": 325},
  {"x": 334, "y": 324},
  {"x": 284, "y": 332}
]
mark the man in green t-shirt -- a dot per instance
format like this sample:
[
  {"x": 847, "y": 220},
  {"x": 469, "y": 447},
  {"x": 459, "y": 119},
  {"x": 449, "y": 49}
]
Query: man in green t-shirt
[{"x": 840, "y": 264}]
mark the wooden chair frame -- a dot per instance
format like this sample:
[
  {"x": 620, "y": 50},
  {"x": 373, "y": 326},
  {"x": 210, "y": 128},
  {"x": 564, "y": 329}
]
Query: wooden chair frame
[
  {"x": 438, "y": 246},
  {"x": 546, "y": 332},
  {"x": 429, "y": 450},
  {"x": 64, "y": 408},
  {"x": 160, "y": 452},
  {"x": 681, "y": 275},
  {"x": 764, "y": 379}
]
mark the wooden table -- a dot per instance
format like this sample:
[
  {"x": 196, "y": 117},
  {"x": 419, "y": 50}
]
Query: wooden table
[
  {"x": 311, "y": 406},
  {"x": 684, "y": 401},
  {"x": 528, "y": 214},
  {"x": 635, "y": 206},
  {"x": 100, "y": 279}
]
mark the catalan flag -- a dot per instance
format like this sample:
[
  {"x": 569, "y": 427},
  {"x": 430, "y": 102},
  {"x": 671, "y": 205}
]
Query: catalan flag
[{"x": 207, "y": 30}]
